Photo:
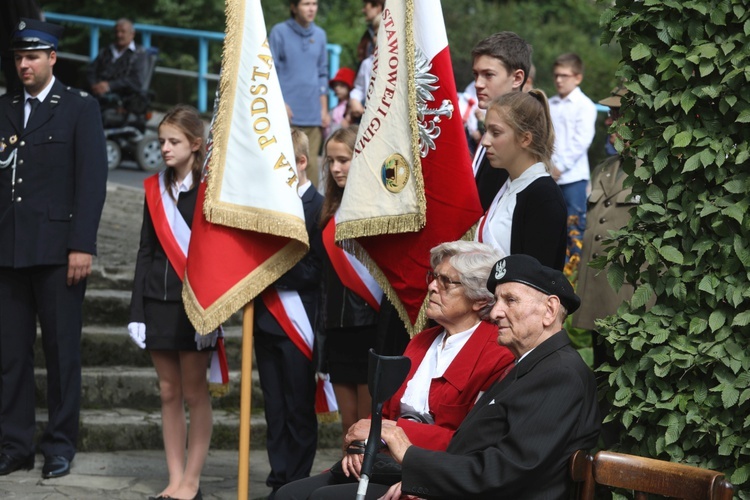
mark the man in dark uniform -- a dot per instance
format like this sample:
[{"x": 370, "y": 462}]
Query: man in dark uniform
[{"x": 52, "y": 189}]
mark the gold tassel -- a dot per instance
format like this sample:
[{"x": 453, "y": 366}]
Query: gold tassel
[
  {"x": 217, "y": 390},
  {"x": 328, "y": 417}
]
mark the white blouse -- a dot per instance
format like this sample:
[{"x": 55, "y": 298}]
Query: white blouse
[
  {"x": 495, "y": 226},
  {"x": 437, "y": 359}
]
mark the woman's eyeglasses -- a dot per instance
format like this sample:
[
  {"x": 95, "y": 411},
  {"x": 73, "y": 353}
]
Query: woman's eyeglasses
[{"x": 443, "y": 281}]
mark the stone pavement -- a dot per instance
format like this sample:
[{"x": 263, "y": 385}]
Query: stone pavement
[{"x": 136, "y": 475}]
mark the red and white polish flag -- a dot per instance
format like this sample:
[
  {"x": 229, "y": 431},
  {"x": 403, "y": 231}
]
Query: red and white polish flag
[{"x": 410, "y": 185}]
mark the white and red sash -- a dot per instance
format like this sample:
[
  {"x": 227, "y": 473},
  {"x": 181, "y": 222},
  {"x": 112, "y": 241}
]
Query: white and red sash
[
  {"x": 171, "y": 229},
  {"x": 287, "y": 308},
  {"x": 352, "y": 273},
  {"x": 174, "y": 236}
]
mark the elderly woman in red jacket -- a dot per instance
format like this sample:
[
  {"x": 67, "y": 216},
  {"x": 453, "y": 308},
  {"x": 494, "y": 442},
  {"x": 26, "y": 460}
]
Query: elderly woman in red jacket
[{"x": 451, "y": 365}]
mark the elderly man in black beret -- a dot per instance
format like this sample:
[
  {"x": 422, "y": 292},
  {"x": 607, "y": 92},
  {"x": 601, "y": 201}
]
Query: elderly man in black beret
[
  {"x": 53, "y": 177},
  {"x": 518, "y": 438}
]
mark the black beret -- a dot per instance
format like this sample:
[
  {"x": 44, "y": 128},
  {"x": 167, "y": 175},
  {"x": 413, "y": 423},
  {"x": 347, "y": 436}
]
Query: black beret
[
  {"x": 525, "y": 269},
  {"x": 32, "y": 34}
]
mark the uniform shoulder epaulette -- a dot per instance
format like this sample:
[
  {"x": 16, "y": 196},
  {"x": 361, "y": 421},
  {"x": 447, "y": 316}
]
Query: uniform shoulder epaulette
[
  {"x": 15, "y": 98},
  {"x": 78, "y": 92}
]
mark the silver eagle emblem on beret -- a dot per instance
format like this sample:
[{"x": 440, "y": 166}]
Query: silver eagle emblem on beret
[{"x": 500, "y": 270}]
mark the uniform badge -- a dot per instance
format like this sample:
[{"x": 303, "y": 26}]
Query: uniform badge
[
  {"x": 13, "y": 139},
  {"x": 21, "y": 25},
  {"x": 500, "y": 270},
  {"x": 395, "y": 173},
  {"x": 2, "y": 145}
]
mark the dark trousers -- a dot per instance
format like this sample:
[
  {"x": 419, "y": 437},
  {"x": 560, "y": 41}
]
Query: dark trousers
[
  {"x": 323, "y": 487},
  {"x": 25, "y": 295},
  {"x": 288, "y": 382}
]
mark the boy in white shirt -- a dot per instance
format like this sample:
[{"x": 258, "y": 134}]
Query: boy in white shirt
[{"x": 574, "y": 117}]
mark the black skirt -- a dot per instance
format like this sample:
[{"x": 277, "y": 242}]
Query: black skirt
[
  {"x": 168, "y": 327},
  {"x": 346, "y": 352}
]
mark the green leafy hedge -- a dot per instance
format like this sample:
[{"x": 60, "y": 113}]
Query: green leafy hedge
[{"x": 681, "y": 384}]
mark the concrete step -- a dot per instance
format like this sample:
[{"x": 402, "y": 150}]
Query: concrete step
[
  {"x": 106, "y": 307},
  {"x": 111, "y": 346},
  {"x": 115, "y": 277},
  {"x": 111, "y": 306},
  {"x": 130, "y": 429},
  {"x": 137, "y": 388}
]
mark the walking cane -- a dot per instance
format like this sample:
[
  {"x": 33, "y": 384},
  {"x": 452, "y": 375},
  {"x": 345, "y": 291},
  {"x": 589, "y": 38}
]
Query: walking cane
[{"x": 385, "y": 375}]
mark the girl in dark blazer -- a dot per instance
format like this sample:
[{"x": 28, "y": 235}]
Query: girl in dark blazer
[
  {"x": 158, "y": 321},
  {"x": 529, "y": 214},
  {"x": 349, "y": 317}
]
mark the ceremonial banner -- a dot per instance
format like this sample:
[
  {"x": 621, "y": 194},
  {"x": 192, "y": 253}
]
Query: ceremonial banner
[
  {"x": 410, "y": 185},
  {"x": 249, "y": 225}
]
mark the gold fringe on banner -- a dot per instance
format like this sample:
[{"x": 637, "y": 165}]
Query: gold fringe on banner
[
  {"x": 379, "y": 225},
  {"x": 411, "y": 83},
  {"x": 207, "y": 320},
  {"x": 361, "y": 255},
  {"x": 258, "y": 220},
  {"x": 235, "y": 21}
]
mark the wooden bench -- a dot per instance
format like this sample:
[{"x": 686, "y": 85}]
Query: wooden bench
[{"x": 645, "y": 475}]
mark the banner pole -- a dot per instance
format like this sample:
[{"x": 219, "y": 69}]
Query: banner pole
[{"x": 245, "y": 395}]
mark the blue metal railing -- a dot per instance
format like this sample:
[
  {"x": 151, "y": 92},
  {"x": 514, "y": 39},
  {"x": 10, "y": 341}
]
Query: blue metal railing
[{"x": 203, "y": 37}]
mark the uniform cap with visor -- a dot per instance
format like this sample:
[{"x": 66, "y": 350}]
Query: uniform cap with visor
[{"x": 32, "y": 34}]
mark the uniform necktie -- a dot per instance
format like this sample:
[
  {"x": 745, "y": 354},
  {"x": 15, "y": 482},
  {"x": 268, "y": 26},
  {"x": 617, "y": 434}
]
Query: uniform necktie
[{"x": 34, "y": 103}]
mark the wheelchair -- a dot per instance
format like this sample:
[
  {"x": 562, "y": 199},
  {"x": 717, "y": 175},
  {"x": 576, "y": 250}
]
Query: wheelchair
[{"x": 125, "y": 119}]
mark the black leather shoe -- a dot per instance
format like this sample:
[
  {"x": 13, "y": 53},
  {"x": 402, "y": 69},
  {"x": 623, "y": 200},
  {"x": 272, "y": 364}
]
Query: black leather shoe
[
  {"x": 198, "y": 496},
  {"x": 56, "y": 466},
  {"x": 9, "y": 464}
]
